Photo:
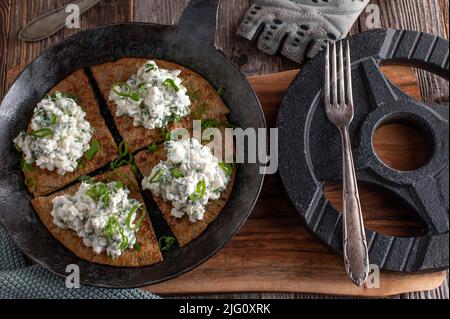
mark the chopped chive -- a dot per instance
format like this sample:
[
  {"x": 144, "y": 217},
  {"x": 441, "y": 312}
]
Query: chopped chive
[
  {"x": 176, "y": 172},
  {"x": 44, "y": 132},
  {"x": 176, "y": 118},
  {"x": 135, "y": 169},
  {"x": 95, "y": 147},
  {"x": 26, "y": 167},
  {"x": 53, "y": 119},
  {"x": 210, "y": 123},
  {"x": 120, "y": 86},
  {"x": 221, "y": 91},
  {"x": 158, "y": 176},
  {"x": 124, "y": 243},
  {"x": 226, "y": 168},
  {"x": 171, "y": 83},
  {"x": 149, "y": 67},
  {"x": 137, "y": 247},
  {"x": 123, "y": 149},
  {"x": 138, "y": 224},
  {"x": 166, "y": 134},
  {"x": 86, "y": 179},
  {"x": 166, "y": 242},
  {"x": 142, "y": 86},
  {"x": 199, "y": 191},
  {"x": 152, "y": 147},
  {"x": 135, "y": 96},
  {"x": 110, "y": 227},
  {"x": 80, "y": 163}
]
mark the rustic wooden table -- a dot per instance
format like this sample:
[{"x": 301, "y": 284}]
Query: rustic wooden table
[{"x": 422, "y": 15}]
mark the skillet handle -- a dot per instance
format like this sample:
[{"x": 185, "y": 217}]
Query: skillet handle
[{"x": 199, "y": 22}]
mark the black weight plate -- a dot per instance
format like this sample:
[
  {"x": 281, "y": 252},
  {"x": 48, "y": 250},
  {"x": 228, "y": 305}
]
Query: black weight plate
[
  {"x": 310, "y": 148},
  {"x": 190, "y": 44}
]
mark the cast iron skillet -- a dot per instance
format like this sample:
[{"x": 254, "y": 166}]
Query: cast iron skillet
[{"x": 191, "y": 44}]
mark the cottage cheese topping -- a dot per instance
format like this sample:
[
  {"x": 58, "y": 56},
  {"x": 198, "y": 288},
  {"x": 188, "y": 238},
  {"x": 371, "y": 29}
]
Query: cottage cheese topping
[
  {"x": 153, "y": 97},
  {"x": 60, "y": 135},
  {"x": 190, "y": 178},
  {"x": 101, "y": 214}
]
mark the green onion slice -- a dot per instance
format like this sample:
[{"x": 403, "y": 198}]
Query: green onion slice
[
  {"x": 137, "y": 247},
  {"x": 176, "y": 172},
  {"x": 199, "y": 191},
  {"x": 86, "y": 179},
  {"x": 26, "y": 167},
  {"x": 158, "y": 176},
  {"x": 124, "y": 243},
  {"x": 166, "y": 242},
  {"x": 167, "y": 135},
  {"x": 43, "y": 132},
  {"x": 211, "y": 123},
  {"x": 133, "y": 95},
  {"x": 108, "y": 231},
  {"x": 123, "y": 149},
  {"x": 120, "y": 86},
  {"x": 171, "y": 83},
  {"x": 226, "y": 168},
  {"x": 152, "y": 147},
  {"x": 138, "y": 224},
  {"x": 149, "y": 67},
  {"x": 95, "y": 147},
  {"x": 53, "y": 119}
]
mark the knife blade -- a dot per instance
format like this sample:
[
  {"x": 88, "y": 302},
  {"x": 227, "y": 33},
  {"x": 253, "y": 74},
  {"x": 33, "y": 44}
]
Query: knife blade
[{"x": 51, "y": 22}]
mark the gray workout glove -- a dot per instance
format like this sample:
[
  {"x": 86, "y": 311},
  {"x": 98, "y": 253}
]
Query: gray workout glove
[{"x": 301, "y": 27}]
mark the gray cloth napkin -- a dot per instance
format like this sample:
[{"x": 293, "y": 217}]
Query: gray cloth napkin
[
  {"x": 18, "y": 280},
  {"x": 299, "y": 29}
]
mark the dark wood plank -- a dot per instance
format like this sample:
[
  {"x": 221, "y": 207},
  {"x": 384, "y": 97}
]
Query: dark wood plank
[
  {"x": 5, "y": 7},
  {"x": 20, "y": 54}
]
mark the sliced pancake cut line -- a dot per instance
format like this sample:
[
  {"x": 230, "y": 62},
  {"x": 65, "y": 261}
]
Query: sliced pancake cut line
[
  {"x": 206, "y": 103},
  {"x": 42, "y": 182},
  {"x": 148, "y": 253}
]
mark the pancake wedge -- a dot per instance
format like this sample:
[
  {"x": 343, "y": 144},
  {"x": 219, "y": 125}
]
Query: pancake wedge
[
  {"x": 43, "y": 182},
  {"x": 184, "y": 230},
  {"x": 205, "y": 101},
  {"x": 148, "y": 253}
]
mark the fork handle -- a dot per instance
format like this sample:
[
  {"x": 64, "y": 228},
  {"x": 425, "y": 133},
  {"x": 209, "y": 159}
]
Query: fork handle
[{"x": 356, "y": 256}]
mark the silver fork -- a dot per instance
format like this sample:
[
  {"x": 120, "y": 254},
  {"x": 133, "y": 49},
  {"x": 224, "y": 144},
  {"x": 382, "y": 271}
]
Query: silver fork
[{"x": 340, "y": 111}]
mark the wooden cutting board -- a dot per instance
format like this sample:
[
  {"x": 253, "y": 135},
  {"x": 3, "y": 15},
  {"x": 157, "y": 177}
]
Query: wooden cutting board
[{"x": 274, "y": 253}]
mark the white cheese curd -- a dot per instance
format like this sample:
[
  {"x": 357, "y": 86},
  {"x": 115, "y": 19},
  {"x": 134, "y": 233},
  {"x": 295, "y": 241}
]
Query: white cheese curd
[
  {"x": 102, "y": 214},
  {"x": 153, "y": 97},
  {"x": 60, "y": 135},
  {"x": 189, "y": 178}
]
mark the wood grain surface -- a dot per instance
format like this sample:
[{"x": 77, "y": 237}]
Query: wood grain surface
[{"x": 421, "y": 15}]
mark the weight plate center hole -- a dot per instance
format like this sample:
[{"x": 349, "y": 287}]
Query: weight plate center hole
[{"x": 402, "y": 145}]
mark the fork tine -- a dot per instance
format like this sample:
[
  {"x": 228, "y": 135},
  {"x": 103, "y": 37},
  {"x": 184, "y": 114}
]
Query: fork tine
[
  {"x": 327, "y": 76},
  {"x": 334, "y": 76},
  {"x": 349, "y": 76},
  {"x": 341, "y": 75}
]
